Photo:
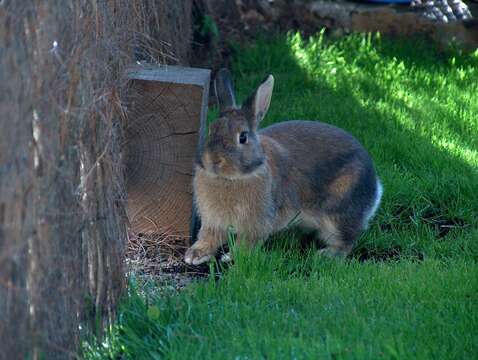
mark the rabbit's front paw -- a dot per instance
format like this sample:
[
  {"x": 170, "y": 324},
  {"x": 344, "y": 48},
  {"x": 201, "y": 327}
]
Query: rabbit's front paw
[{"x": 197, "y": 254}]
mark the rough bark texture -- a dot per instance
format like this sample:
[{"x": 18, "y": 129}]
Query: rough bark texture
[{"x": 62, "y": 218}]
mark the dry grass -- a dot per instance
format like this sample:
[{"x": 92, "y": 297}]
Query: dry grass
[
  {"x": 152, "y": 253},
  {"x": 159, "y": 258}
]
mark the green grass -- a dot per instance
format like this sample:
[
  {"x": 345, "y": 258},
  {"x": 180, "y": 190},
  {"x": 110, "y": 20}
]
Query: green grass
[{"x": 416, "y": 111}]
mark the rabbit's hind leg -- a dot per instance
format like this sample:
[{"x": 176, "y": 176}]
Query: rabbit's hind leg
[{"x": 336, "y": 237}]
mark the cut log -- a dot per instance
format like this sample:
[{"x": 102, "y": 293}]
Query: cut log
[{"x": 167, "y": 111}]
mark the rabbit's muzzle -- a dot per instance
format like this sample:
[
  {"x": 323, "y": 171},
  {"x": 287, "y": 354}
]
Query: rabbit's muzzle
[{"x": 217, "y": 164}]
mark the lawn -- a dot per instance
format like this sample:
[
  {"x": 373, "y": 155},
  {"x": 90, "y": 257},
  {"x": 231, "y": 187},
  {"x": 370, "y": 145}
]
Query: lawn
[{"x": 410, "y": 289}]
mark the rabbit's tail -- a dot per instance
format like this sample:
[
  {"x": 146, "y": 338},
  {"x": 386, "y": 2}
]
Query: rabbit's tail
[{"x": 376, "y": 202}]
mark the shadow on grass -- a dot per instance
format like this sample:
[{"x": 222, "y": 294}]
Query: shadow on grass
[{"x": 305, "y": 243}]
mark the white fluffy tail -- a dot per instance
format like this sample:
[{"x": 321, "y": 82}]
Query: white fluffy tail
[{"x": 376, "y": 202}]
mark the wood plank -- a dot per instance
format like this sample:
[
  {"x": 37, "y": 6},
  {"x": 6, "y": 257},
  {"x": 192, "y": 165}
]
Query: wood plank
[{"x": 167, "y": 109}]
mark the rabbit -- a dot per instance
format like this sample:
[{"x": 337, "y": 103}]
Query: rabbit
[{"x": 258, "y": 181}]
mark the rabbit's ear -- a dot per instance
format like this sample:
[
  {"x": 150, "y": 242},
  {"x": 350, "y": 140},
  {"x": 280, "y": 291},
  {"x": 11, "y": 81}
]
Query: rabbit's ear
[
  {"x": 224, "y": 89},
  {"x": 258, "y": 103}
]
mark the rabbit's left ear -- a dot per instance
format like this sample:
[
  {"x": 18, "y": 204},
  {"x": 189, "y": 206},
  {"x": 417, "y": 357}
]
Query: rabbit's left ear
[
  {"x": 224, "y": 89},
  {"x": 258, "y": 103}
]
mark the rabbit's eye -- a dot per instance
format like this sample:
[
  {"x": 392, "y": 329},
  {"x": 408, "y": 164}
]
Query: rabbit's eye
[{"x": 243, "y": 137}]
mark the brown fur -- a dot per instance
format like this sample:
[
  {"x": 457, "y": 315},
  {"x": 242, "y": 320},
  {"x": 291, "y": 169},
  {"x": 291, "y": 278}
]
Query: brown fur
[
  {"x": 303, "y": 170},
  {"x": 342, "y": 185}
]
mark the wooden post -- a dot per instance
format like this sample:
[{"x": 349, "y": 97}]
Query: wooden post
[{"x": 166, "y": 124}]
